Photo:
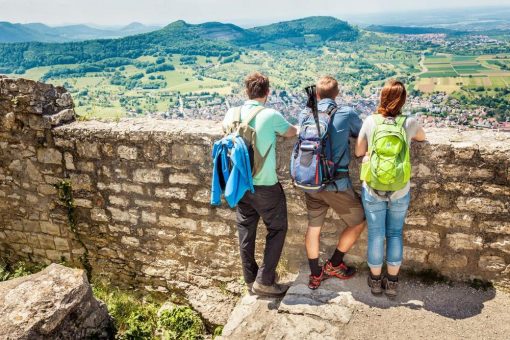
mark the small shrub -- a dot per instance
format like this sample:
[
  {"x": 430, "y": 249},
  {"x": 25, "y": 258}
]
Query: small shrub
[
  {"x": 141, "y": 324},
  {"x": 181, "y": 323},
  {"x": 217, "y": 331}
]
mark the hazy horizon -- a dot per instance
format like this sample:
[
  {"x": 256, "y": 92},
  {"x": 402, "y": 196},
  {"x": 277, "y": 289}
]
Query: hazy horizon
[{"x": 160, "y": 12}]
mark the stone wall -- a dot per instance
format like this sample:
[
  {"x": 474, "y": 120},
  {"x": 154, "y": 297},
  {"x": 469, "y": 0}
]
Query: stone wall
[{"x": 141, "y": 191}]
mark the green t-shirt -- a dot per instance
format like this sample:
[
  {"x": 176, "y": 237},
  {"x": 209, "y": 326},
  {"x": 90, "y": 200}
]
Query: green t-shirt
[{"x": 267, "y": 124}]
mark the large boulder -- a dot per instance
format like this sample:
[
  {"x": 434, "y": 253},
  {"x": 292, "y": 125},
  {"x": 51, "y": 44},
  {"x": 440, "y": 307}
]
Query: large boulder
[{"x": 56, "y": 303}]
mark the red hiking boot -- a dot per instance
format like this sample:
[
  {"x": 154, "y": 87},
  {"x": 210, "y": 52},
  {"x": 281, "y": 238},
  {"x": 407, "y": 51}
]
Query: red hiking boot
[
  {"x": 315, "y": 281},
  {"x": 342, "y": 271}
]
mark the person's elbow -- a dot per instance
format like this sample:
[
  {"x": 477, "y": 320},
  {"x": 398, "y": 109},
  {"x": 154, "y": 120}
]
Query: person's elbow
[
  {"x": 359, "y": 153},
  {"x": 291, "y": 132},
  {"x": 420, "y": 136}
]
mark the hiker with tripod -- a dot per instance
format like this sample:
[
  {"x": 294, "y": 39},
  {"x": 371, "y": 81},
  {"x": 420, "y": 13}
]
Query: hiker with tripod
[{"x": 320, "y": 167}]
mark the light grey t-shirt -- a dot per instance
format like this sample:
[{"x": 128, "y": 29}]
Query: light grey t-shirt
[{"x": 411, "y": 127}]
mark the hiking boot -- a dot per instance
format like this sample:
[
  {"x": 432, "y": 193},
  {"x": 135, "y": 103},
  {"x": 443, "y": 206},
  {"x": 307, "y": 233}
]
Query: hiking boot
[
  {"x": 275, "y": 290},
  {"x": 375, "y": 285},
  {"x": 342, "y": 271},
  {"x": 249, "y": 286},
  {"x": 390, "y": 287},
  {"x": 315, "y": 281}
]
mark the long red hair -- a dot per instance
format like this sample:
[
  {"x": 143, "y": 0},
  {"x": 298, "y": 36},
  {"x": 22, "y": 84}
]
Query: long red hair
[{"x": 393, "y": 98}]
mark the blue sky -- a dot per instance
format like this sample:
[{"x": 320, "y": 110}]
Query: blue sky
[{"x": 119, "y": 12}]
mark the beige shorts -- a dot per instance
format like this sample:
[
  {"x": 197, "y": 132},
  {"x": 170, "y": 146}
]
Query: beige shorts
[{"x": 347, "y": 204}]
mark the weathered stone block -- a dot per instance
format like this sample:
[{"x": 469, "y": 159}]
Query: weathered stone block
[
  {"x": 124, "y": 216},
  {"x": 448, "y": 261},
  {"x": 115, "y": 187},
  {"x": 88, "y": 149},
  {"x": 81, "y": 182},
  {"x": 492, "y": 263},
  {"x": 415, "y": 254},
  {"x": 453, "y": 220},
  {"x": 61, "y": 243},
  {"x": 127, "y": 152},
  {"x": 148, "y": 176},
  {"x": 176, "y": 193},
  {"x": 179, "y": 223},
  {"x": 203, "y": 196},
  {"x": 45, "y": 189},
  {"x": 46, "y": 241},
  {"x": 497, "y": 227},
  {"x": 215, "y": 228},
  {"x": 98, "y": 215},
  {"x": 132, "y": 188},
  {"x": 481, "y": 205},
  {"x": 183, "y": 179},
  {"x": 227, "y": 214},
  {"x": 149, "y": 217},
  {"x": 85, "y": 166},
  {"x": 32, "y": 172},
  {"x": 197, "y": 210},
  {"x": 502, "y": 243},
  {"x": 49, "y": 156},
  {"x": 459, "y": 241},
  {"x": 188, "y": 153},
  {"x": 146, "y": 203},
  {"x": 424, "y": 238},
  {"x": 130, "y": 241},
  {"x": 50, "y": 228},
  {"x": 417, "y": 220},
  {"x": 82, "y": 202},
  {"x": 120, "y": 201}
]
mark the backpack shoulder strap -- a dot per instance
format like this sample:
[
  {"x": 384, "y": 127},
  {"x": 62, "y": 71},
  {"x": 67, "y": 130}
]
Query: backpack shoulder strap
[
  {"x": 253, "y": 113},
  {"x": 237, "y": 115},
  {"x": 401, "y": 120}
]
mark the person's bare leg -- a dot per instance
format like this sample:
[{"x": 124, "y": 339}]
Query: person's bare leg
[
  {"x": 349, "y": 236},
  {"x": 393, "y": 270},
  {"x": 312, "y": 239},
  {"x": 376, "y": 271}
]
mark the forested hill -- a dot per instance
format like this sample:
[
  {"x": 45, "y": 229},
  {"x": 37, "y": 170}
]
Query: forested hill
[
  {"x": 208, "y": 39},
  {"x": 304, "y": 30}
]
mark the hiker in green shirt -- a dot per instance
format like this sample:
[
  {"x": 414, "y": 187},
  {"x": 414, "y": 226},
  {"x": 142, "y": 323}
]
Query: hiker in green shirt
[{"x": 268, "y": 201}]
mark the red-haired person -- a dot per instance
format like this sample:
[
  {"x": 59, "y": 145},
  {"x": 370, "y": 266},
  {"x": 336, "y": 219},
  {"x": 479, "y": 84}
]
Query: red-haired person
[{"x": 385, "y": 210}]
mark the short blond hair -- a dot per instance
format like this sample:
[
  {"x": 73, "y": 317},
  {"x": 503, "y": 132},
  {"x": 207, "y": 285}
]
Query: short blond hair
[{"x": 327, "y": 87}]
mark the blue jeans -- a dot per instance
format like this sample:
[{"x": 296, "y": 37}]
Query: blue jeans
[{"x": 385, "y": 221}]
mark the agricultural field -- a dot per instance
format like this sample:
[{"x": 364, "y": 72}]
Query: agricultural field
[
  {"x": 137, "y": 86},
  {"x": 451, "y": 73},
  {"x": 109, "y": 95}
]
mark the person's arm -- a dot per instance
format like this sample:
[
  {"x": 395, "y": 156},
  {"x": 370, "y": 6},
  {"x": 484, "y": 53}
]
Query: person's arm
[
  {"x": 361, "y": 147},
  {"x": 291, "y": 132},
  {"x": 282, "y": 127},
  {"x": 355, "y": 123},
  {"x": 420, "y": 135}
]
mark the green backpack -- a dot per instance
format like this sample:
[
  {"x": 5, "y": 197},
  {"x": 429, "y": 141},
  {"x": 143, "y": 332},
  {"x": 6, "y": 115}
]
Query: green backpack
[{"x": 389, "y": 165}]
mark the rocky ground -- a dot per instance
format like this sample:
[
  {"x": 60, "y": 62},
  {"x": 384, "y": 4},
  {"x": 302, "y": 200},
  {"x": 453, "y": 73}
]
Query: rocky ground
[
  {"x": 347, "y": 310},
  {"x": 56, "y": 303}
]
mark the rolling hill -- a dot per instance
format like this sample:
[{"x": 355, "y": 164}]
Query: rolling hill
[
  {"x": 208, "y": 39},
  {"x": 301, "y": 31},
  {"x": 36, "y": 32}
]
